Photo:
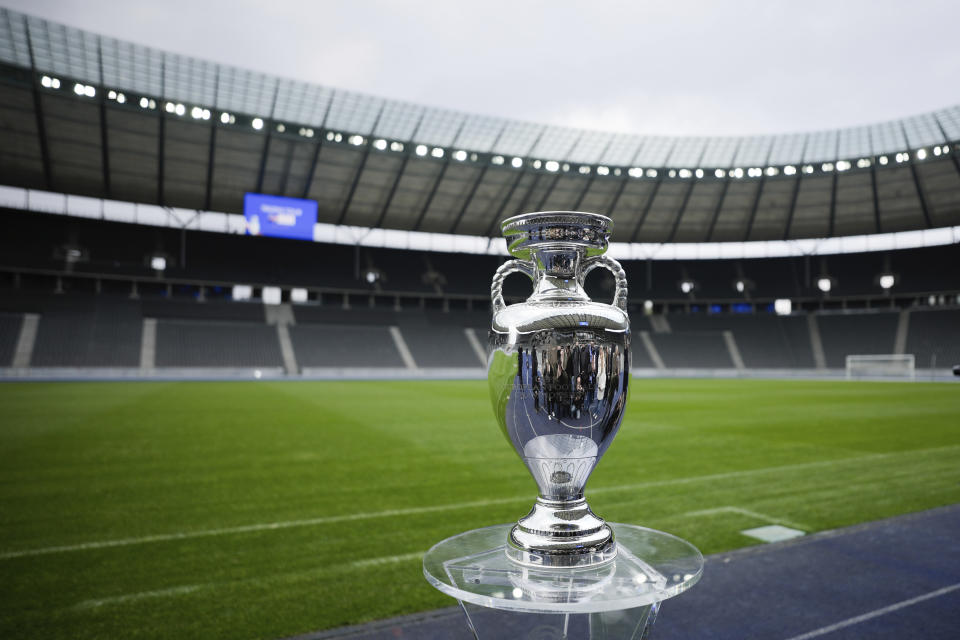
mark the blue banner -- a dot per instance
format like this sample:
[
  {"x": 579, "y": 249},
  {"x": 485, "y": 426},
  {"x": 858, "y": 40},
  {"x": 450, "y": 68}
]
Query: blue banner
[{"x": 279, "y": 217}]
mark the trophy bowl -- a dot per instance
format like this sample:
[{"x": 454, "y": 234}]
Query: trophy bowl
[{"x": 558, "y": 368}]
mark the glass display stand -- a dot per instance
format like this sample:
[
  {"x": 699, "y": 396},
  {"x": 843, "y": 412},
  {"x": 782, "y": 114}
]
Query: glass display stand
[{"x": 618, "y": 600}]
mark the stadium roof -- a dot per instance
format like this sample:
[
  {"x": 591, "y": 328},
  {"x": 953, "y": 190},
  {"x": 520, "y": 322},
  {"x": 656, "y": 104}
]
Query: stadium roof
[{"x": 97, "y": 116}]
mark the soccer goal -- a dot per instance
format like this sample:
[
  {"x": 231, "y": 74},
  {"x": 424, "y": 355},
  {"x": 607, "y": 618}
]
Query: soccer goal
[{"x": 884, "y": 365}]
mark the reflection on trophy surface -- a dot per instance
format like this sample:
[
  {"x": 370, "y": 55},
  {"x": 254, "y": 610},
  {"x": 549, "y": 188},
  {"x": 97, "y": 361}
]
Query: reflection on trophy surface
[{"x": 558, "y": 370}]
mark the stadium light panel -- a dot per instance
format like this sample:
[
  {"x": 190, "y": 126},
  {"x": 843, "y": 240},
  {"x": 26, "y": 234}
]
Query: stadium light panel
[
  {"x": 808, "y": 168},
  {"x": 842, "y": 165},
  {"x": 196, "y": 113},
  {"x": 603, "y": 171},
  {"x": 298, "y": 295},
  {"x": 356, "y": 140},
  {"x": 566, "y": 166},
  {"x": 584, "y": 169},
  {"x": 516, "y": 163},
  {"x": 699, "y": 173},
  {"x": 257, "y": 123},
  {"x": 380, "y": 144},
  {"x": 887, "y": 281},
  {"x": 921, "y": 154},
  {"x": 158, "y": 263},
  {"x": 78, "y": 89},
  {"x": 616, "y": 171},
  {"x": 782, "y": 307},
  {"x": 224, "y": 117},
  {"x": 686, "y": 286},
  {"x": 937, "y": 151},
  {"x": 789, "y": 170},
  {"x": 537, "y": 164},
  {"x": 863, "y": 163},
  {"x": 459, "y": 155},
  {"x": 672, "y": 173},
  {"x": 371, "y": 276},
  {"x": 396, "y": 146},
  {"x": 719, "y": 173},
  {"x": 242, "y": 292},
  {"x": 421, "y": 150},
  {"x": 685, "y": 173},
  {"x": 436, "y": 152},
  {"x": 169, "y": 107},
  {"x": 111, "y": 95},
  {"x": 648, "y": 306},
  {"x": 826, "y": 166},
  {"x": 737, "y": 173},
  {"x": 824, "y": 284},
  {"x": 740, "y": 286},
  {"x": 551, "y": 165},
  {"x": 635, "y": 172},
  {"x": 46, "y": 81},
  {"x": 122, "y": 99},
  {"x": 281, "y": 127},
  {"x": 144, "y": 103},
  {"x": 651, "y": 173},
  {"x": 271, "y": 295},
  {"x": 338, "y": 137},
  {"x": 882, "y": 160},
  {"x": 180, "y": 109}
]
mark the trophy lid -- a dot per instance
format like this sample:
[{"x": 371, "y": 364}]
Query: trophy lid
[{"x": 532, "y": 230}]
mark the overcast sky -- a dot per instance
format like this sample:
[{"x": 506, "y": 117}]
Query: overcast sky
[{"x": 695, "y": 67}]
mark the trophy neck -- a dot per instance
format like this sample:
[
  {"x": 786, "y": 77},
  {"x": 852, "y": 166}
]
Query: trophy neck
[{"x": 558, "y": 272}]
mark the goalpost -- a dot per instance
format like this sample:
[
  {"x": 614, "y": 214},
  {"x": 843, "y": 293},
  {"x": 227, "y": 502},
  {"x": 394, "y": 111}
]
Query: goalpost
[{"x": 884, "y": 365}]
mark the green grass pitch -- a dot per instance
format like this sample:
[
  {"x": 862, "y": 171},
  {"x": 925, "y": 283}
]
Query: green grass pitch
[{"x": 267, "y": 509}]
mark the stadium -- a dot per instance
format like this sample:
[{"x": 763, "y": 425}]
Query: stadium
[{"x": 205, "y": 411}]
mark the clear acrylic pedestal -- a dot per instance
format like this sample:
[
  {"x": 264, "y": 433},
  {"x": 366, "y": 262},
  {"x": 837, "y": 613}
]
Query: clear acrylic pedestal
[{"x": 619, "y": 600}]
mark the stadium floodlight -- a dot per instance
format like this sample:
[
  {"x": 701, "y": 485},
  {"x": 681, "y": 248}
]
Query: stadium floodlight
[
  {"x": 537, "y": 164},
  {"x": 111, "y": 95},
  {"x": 224, "y": 117},
  {"x": 281, "y": 127},
  {"x": 169, "y": 107},
  {"x": 685, "y": 173},
  {"x": 180, "y": 109},
  {"x": 144, "y": 103},
  {"x": 551, "y": 165},
  {"x": 772, "y": 171},
  {"x": 437, "y": 152},
  {"x": 257, "y": 123},
  {"x": 566, "y": 166},
  {"x": 672, "y": 173},
  {"x": 808, "y": 168},
  {"x": 158, "y": 263},
  {"x": 46, "y": 82},
  {"x": 887, "y": 281},
  {"x": 737, "y": 173},
  {"x": 380, "y": 144},
  {"x": 824, "y": 284},
  {"x": 826, "y": 167},
  {"x": 651, "y": 173},
  {"x": 603, "y": 171},
  {"x": 789, "y": 170},
  {"x": 122, "y": 98},
  {"x": 497, "y": 160},
  {"x": 516, "y": 163},
  {"x": 782, "y": 307},
  {"x": 648, "y": 306},
  {"x": 882, "y": 160},
  {"x": 921, "y": 154},
  {"x": 242, "y": 292},
  {"x": 396, "y": 146},
  {"x": 699, "y": 173},
  {"x": 271, "y": 295},
  {"x": 371, "y": 276},
  {"x": 196, "y": 113},
  {"x": 584, "y": 169},
  {"x": 687, "y": 286},
  {"x": 459, "y": 155},
  {"x": 842, "y": 165},
  {"x": 421, "y": 150},
  {"x": 719, "y": 173},
  {"x": 740, "y": 286},
  {"x": 754, "y": 172},
  {"x": 863, "y": 163},
  {"x": 78, "y": 89},
  {"x": 937, "y": 151},
  {"x": 356, "y": 140},
  {"x": 298, "y": 294},
  {"x": 635, "y": 172}
]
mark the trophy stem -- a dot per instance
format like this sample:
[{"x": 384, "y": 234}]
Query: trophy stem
[{"x": 561, "y": 534}]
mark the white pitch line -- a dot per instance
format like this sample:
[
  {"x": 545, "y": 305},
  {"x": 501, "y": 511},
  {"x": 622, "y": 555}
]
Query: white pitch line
[
  {"x": 131, "y": 597},
  {"x": 308, "y": 522},
  {"x": 375, "y": 562},
  {"x": 876, "y": 613},
  {"x": 749, "y": 514}
]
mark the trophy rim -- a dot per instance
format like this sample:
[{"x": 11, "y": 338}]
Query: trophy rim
[
  {"x": 586, "y": 218},
  {"x": 528, "y": 231}
]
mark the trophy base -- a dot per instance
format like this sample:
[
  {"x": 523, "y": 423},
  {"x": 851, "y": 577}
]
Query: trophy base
[
  {"x": 502, "y": 599},
  {"x": 563, "y": 534}
]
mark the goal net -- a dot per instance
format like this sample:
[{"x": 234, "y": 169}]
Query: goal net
[{"x": 885, "y": 365}]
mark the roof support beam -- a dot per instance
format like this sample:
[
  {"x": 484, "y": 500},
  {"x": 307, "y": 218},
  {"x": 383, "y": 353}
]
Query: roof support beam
[
  {"x": 593, "y": 176},
  {"x": 104, "y": 143},
  {"x": 316, "y": 150},
  {"x": 646, "y": 209},
  {"x": 833, "y": 203},
  {"x": 876, "y": 197},
  {"x": 793, "y": 207},
  {"x": 476, "y": 184},
  {"x": 208, "y": 194},
  {"x": 161, "y": 134},
  {"x": 716, "y": 210},
  {"x": 361, "y": 166},
  {"x": 38, "y": 113},
  {"x": 407, "y": 151},
  {"x": 916, "y": 182},
  {"x": 753, "y": 209},
  {"x": 440, "y": 176},
  {"x": 269, "y": 126},
  {"x": 683, "y": 207}
]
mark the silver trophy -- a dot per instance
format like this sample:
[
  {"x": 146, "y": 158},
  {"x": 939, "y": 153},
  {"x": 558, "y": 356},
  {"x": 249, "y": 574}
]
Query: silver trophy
[{"x": 558, "y": 370}]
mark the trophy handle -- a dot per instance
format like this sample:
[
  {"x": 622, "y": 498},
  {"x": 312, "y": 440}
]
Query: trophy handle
[
  {"x": 620, "y": 296},
  {"x": 496, "y": 286}
]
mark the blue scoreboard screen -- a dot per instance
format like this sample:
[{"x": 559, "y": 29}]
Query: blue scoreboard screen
[{"x": 279, "y": 217}]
